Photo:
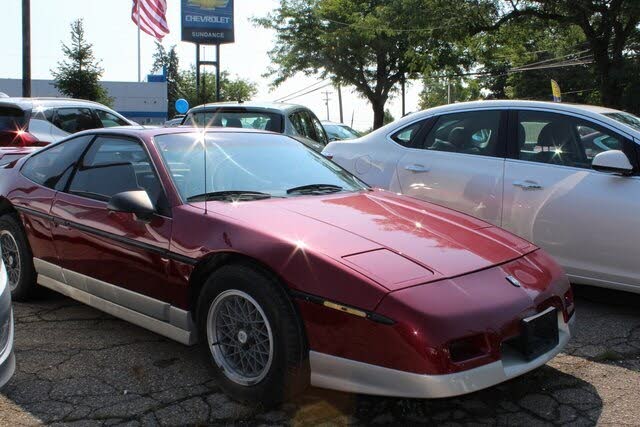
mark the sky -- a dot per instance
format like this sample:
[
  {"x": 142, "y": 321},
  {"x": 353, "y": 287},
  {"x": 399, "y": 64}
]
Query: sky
[{"x": 109, "y": 27}]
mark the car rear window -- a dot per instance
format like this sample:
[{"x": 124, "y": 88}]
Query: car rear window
[
  {"x": 12, "y": 118},
  {"x": 232, "y": 118}
]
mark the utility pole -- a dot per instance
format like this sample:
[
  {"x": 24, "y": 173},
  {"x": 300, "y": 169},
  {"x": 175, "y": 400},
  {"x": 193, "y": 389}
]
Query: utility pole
[
  {"x": 26, "y": 48},
  {"x": 448, "y": 91},
  {"x": 326, "y": 101},
  {"x": 403, "y": 87},
  {"x": 340, "y": 102}
]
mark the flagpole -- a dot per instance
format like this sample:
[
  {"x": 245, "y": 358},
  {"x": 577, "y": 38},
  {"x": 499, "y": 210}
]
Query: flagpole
[{"x": 139, "y": 56}]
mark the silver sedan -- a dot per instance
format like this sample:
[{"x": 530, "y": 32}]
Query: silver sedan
[{"x": 7, "y": 357}]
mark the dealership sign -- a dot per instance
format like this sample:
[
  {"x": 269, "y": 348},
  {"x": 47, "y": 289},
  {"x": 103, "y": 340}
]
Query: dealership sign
[{"x": 207, "y": 21}]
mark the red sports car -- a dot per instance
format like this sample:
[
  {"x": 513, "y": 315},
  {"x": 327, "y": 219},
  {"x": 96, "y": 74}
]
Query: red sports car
[{"x": 287, "y": 269}]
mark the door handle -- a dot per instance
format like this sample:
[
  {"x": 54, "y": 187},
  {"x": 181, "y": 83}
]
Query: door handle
[
  {"x": 416, "y": 168},
  {"x": 528, "y": 185}
]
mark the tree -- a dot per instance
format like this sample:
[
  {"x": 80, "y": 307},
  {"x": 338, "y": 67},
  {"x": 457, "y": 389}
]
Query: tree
[
  {"x": 437, "y": 89},
  {"x": 236, "y": 89},
  {"x": 367, "y": 43},
  {"x": 168, "y": 61},
  {"x": 79, "y": 75},
  {"x": 609, "y": 27}
]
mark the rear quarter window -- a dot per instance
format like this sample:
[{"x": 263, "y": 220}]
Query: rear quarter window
[{"x": 12, "y": 118}]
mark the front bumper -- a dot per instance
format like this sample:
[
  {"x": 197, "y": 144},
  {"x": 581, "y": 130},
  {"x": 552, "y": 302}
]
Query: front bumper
[{"x": 347, "y": 375}]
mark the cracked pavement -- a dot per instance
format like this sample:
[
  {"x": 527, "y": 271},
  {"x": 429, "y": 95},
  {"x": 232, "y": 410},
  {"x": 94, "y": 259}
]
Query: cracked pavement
[{"x": 77, "y": 366}]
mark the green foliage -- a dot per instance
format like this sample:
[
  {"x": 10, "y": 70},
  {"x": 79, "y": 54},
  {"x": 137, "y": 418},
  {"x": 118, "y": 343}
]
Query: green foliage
[
  {"x": 168, "y": 60},
  {"x": 367, "y": 43},
  {"x": 78, "y": 76},
  {"x": 182, "y": 84},
  {"x": 231, "y": 89},
  {"x": 609, "y": 31},
  {"x": 436, "y": 91}
]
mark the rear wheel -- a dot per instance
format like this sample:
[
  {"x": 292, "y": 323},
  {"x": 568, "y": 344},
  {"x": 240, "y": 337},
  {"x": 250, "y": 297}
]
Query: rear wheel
[
  {"x": 17, "y": 258},
  {"x": 252, "y": 336}
]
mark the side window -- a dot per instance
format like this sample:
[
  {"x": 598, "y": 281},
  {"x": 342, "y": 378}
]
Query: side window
[
  {"x": 474, "y": 132},
  {"x": 596, "y": 140},
  {"x": 52, "y": 167},
  {"x": 301, "y": 124},
  {"x": 109, "y": 120},
  {"x": 72, "y": 120},
  {"x": 562, "y": 140},
  {"x": 114, "y": 165},
  {"x": 407, "y": 136},
  {"x": 321, "y": 136}
]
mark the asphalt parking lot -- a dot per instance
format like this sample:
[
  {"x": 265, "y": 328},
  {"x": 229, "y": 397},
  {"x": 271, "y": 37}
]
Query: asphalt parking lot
[{"x": 78, "y": 366}]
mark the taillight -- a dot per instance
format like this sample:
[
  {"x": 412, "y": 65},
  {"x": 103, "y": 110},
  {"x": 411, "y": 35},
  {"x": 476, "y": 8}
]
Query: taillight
[
  {"x": 25, "y": 139},
  {"x": 569, "y": 301},
  {"x": 328, "y": 155},
  {"x": 19, "y": 138}
]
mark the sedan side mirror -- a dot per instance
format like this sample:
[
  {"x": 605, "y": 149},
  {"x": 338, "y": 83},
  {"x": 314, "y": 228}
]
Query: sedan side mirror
[
  {"x": 136, "y": 202},
  {"x": 612, "y": 161}
]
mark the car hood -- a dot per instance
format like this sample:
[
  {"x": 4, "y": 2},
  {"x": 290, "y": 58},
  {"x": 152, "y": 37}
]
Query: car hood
[{"x": 395, "y": 240}]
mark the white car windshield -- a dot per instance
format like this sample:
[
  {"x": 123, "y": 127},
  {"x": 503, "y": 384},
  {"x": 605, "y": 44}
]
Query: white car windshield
[
  {"x": 251, "y": 164},
  {"x": 625, "y": 118}
]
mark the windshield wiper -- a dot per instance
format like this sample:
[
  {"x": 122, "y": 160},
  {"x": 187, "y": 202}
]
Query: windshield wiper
[
  {"x": 315, "y": 189},
  {"x": 233, "y": 195}
]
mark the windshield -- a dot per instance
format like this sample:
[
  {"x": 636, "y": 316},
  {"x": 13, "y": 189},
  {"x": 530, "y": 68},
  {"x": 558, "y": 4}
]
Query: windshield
[
  {"x": 625, "y": 118},
  {"x": 248, "y": 162},
  {"x": 236, "y": 118},
  {"x": 341, "y": 132}
]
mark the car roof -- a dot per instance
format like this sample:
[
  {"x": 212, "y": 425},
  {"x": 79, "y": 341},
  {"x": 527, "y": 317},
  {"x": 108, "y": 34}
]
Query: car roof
[
  {"x": 277, "y": 107},
  {"x": 592, "y": 111},
  {"x": 150, "y": 132},
  {"x": 327, "y": 122},
  {"x": 28, "y": 103}
]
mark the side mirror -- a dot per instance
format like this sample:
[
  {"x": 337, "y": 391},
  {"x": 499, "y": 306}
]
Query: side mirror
[
  {"x": 613, "y": 161},
  {"x": 135, "y": 202}
]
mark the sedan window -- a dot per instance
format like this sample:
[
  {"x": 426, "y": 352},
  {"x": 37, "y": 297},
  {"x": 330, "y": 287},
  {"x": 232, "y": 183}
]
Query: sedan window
[
  {"x": 562, "y": 140},
  {"x": 53, "y": 166},
  {"x": 406, "y": 136},
  {"x": 72, "y": 120},
  {"x": 114, "y": 165},
  {"x": 109, "y": 120},
  {"x": 249, "y": 164},
  {"x": 238, "y": 118},
  {"x": 474, "y": 132}
]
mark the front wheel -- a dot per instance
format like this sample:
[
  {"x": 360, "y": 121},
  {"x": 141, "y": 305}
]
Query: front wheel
[
  {"x": 17, "y": 258},
  {"x": 252, "y": 336}
]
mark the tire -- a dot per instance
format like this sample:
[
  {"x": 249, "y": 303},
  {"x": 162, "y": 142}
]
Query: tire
[
  {"x": 264, "y": 362},
  {"x": 17, "y": 258}
]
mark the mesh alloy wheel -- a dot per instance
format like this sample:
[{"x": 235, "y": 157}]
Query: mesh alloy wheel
[
  {"x": 11, "y": 258},
  {"x": 240, "y": 337}
]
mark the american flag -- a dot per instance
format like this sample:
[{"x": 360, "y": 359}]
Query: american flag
[{"x": 150, "y": 16}]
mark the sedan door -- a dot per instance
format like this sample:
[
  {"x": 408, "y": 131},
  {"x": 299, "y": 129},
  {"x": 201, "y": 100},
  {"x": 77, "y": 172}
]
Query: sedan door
[
  {"x": 116, "y": 248},
  {"x": 586, "y": 219},
  {"x": 457, "y": 162}
]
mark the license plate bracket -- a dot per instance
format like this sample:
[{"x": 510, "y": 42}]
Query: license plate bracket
[{"x": 539, "y": 334}]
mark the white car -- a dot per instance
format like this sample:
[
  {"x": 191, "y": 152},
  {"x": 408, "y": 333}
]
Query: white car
[
  {"x": 42, "y": 121},
  {"x": 565, "y": 177}
]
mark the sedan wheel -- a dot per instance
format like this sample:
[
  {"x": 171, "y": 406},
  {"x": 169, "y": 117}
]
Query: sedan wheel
[
  {"x": 240, "y": 337},
  {"x": 11, "y": 258},
  {"x": 17, "y": 258},
  {"x": 251, "y": 335}
]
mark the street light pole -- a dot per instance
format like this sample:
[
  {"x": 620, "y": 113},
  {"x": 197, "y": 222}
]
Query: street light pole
[{"x": 26, "y": 48}]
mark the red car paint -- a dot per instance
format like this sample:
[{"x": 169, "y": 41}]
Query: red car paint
[{"x": 445, "y": 281}]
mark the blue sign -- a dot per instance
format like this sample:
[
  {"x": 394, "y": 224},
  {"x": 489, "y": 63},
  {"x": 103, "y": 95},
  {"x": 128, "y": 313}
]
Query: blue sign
[
  {"x": 208, "y": 21},
  {"x": 182, "y": 105}
]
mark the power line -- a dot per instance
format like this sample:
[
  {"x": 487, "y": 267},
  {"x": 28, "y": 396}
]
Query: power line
[
  {"x": 306, "y": 93},
  {"x": 300, "y": 90}
]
